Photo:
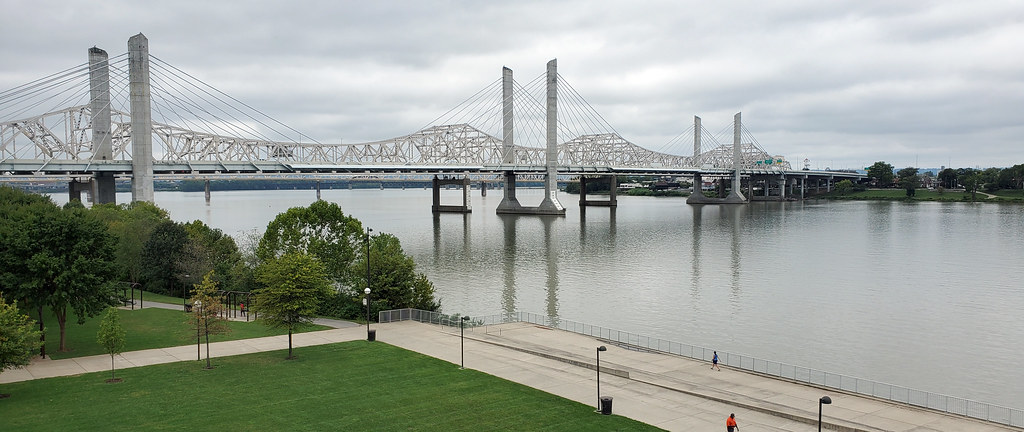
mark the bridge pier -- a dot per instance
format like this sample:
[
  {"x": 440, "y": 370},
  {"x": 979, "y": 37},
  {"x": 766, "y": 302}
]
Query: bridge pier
[
  {"x": 207, "y": 190},
  {"x": 318, "y": 190},
  {"x": 612, "y": 200},
  {"x": 438, "y": 208},
  {"x": 76, "y": 187}
]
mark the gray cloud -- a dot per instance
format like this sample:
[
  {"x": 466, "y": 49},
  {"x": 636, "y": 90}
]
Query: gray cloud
[{"x": 842, "y": 84}]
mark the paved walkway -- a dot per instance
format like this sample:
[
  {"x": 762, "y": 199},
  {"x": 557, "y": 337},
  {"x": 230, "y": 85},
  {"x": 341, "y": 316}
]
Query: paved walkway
[{"x": 670, "y": 392}]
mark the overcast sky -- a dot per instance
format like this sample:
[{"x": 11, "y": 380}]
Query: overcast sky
[{"x": 844, "y": 84}]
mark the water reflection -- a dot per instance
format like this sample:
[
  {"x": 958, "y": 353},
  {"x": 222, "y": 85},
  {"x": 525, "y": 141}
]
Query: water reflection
[
  {"x": 551, "y": 256},
  {"x": 508, "y": 293},
  {"x": 698, "y": 210}
]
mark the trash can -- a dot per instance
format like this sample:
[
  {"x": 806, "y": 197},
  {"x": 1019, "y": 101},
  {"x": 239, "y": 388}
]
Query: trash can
[
  {"x": 606, "y": 405},
  {"x": 371, "y": 335}
]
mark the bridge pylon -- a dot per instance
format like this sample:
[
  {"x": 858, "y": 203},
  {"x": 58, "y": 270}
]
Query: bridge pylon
[
  {"x": 550, "y": 204},
  {"x": 142, "y": 118},
  {"x": 103, "y": 189}
]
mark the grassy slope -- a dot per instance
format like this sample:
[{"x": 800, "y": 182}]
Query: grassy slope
[
  {"x": 925, "y": 195},
  {"x": 353, "y": 386},
  {"x": 146, "y": 328}
]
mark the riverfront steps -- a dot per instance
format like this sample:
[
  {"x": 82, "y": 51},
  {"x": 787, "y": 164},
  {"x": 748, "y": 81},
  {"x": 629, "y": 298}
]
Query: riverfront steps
[{"x": 667, "y": 391}]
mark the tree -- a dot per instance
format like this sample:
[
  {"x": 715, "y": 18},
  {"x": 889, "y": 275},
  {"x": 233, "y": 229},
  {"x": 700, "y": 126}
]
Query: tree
[
  {"x": 909, "y": 180},
  {"x": 209, "y": 249},
  {"x": 844, "y": 187},
  {"x": 57, "y": 257},
  {"x": 160, "y": 257},
  {"x": 881, "y": 173},
  {"x": 947, "y": 178},
  {"x": 990, "y": 179},
  {"x": 111, "y": 337},
  {"x": 18, "y": 340},
  {"x": 206, "y": 313},
  {"x": 971, "y": 180},
  {"x": 394, "y": 283},
  {"x": 20, "y": 210},
  {"x": 293, "y": 284},
  {"x": 321, "y": 230},
  {"x": 132, "y": 224}
]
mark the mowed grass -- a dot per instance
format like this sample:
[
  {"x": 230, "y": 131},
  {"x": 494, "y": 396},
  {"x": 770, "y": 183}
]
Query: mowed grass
[
  {"x": 352, "y": 386},
  {"x": 145, "y": 329},
  {"x": 920, "y": 195}
]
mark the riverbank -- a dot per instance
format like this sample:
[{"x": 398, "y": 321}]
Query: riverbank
[{"x": 952, "y": 195}]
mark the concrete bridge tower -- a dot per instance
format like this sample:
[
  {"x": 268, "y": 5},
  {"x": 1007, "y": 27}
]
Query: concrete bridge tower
[
  {"x": 142, "y": 118},
  {"x": 550, "y": 205},
  {"x": 103, "y": 188},
  {"x": 735, "y": 196},
  {"x": 509, "y": 203}
]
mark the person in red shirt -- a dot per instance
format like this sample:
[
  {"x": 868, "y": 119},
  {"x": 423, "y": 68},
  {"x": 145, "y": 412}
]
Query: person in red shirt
[{"x": 730, "y": 423}]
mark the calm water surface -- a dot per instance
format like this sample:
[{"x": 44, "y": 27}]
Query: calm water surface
[{"x": 923, "y": 295}]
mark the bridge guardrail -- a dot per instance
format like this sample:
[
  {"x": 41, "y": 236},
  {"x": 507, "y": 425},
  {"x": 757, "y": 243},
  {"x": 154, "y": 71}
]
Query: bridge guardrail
[{"x": 919, "y": 398}]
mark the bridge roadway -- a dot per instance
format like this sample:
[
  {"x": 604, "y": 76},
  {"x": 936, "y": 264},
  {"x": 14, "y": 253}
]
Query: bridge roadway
[{"x": 36, "y": 168}]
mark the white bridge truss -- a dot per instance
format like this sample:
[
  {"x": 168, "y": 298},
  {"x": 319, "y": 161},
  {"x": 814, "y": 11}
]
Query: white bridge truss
[{"x": 66, "y": 136}]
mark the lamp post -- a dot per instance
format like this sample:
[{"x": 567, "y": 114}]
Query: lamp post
[
  {"x": 206, "y": 332},
  {"x": 825, "y": 400},
  {"x": 183, "y": 286},
  {"x": 366, "y": 241},
  {"x": 462, "y": 328},
  {"x": 195, "y": 309},
  {"x": 599, "y": 349},
  {"x": 366, "y": 301}
]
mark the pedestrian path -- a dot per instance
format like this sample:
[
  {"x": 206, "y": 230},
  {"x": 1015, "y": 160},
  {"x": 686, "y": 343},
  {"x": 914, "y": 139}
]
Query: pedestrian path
[{"x": 669, "y": 392}]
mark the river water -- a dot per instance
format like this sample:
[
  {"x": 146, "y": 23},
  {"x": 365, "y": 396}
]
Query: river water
[{"x": 922, "y": 295}]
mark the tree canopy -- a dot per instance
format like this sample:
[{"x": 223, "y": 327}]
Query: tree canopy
[
  {"x": 18, "y": 339},
  {"x": 293, "y": 286},
  {"x": 881, "y": 173},
  {"x": 321, "y": 230},
  {"x": 909, "y": 180},
  {"x": 160, "y": 257},
  {"x": 394, "y": 282},
  {"x": 56, "y": 257}
]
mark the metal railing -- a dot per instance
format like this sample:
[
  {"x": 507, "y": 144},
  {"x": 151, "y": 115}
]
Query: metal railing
[{"x": 938, "y": 402}]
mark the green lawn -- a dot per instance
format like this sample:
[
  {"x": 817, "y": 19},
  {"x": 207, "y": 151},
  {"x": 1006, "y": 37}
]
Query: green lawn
[
  {"x": 146, "y": 328},
  {"x": 352, "y": 386},
  {"x": 923, "y": 195}
]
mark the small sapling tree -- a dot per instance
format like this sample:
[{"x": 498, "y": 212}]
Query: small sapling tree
[
  {"x": 111, "y": 337},
  {"x": 207, "y": 312}
]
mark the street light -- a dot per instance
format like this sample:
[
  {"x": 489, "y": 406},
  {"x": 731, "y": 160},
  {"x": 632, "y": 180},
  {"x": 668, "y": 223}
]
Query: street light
[
  {"x": 195, "y": 306},
  {"x": 825, "y": 400},
  {"x": 599, "y": 349},
  {"x": 366, "y": 241},
  {"x": 366, "y": 300},
  {"x": 462, "y": 327},
  {"x": 183, "y": 286}
]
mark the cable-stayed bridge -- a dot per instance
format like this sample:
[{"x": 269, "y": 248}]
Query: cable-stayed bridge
[{"x": 135, "y": 115}]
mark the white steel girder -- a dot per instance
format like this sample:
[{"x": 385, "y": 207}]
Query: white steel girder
[{"x": 67, "y": 135}]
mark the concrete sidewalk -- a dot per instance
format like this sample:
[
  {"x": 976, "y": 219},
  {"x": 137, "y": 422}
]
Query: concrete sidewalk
[{"x": 667, "y": 391}]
